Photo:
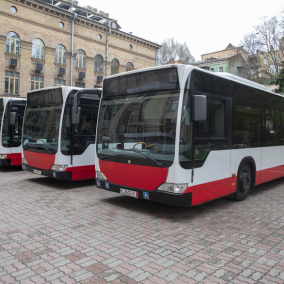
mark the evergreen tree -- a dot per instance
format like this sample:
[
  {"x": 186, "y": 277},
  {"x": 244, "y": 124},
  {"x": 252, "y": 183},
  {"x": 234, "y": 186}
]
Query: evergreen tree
[{"x": 279, "y": 80}]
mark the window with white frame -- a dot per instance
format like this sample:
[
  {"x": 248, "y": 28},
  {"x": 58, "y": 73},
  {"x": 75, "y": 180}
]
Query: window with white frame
[
  {"x": 221, "y": 69},
  {"x": 212, "y": 69}
]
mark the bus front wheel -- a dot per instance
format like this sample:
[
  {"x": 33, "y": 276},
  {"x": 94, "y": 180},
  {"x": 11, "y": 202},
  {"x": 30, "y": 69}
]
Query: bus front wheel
[{"x": 244, "y": 183}]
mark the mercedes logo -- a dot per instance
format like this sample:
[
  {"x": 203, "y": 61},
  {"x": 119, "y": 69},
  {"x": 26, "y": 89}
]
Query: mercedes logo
[{"x": 129, "y": 162}]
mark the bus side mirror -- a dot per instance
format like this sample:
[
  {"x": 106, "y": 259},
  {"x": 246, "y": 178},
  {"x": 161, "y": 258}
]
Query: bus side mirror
[
  {"x": 12, "y": 118},
  {"x": 199, "y": 108},
  {"x": 76, "y": 110}
]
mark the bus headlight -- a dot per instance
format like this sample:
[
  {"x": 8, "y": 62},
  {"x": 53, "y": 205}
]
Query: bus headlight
[
  {"x": 173, "y": 187},
  {"x": 3, "y": 156},
  {"x": 59, "y": 168},
  {"x": 24, "y": 161},
  {"x": 100, "y": 175}
]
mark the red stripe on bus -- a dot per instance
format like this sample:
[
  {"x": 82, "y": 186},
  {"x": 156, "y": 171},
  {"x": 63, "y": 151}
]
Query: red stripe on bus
[
  {"x": 211, "y": 190},
  {"x": 269, "y": 174},
  {"x": 39, "y": 160},
  {"x": 141, "y": 177},
  {"x": 82, "y": 172},
  {"x": 16, "y": 159}
]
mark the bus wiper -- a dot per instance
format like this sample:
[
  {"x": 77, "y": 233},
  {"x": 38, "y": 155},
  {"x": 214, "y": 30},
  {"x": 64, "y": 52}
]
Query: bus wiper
[
  {"x": 45, "y": 148},
  {"x": 159, "y": 164},
  {"x": 108, "y": 157}
]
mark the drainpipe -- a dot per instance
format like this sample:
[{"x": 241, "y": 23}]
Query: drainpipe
[
  {"x": 109, "y": 32},
  {"x": 72, "y": 51},
  {"x": 157, "y": 55}
]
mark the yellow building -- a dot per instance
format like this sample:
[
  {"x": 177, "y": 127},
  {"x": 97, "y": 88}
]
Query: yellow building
[
  {"x": 229, "y": 51},
  {"x": 50, "y": 42}
]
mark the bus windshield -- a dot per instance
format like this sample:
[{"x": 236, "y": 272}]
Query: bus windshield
[
  {"x": 42, "y": 121},
  {"x": 138, "y": 118}
]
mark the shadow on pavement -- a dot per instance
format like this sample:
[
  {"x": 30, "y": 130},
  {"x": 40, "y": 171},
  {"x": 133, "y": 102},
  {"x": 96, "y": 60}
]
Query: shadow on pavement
[
  {"x": 171, "y": 212},
  {"x": 9, "y": 169},
  {"x": 61, "y": 184},
  {"x": 166, "y": 211}
]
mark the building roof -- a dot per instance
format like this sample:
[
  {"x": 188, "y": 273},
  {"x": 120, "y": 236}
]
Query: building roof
[
  {"x": 229, "y": 47},
  {"x": 213, "y": 59}
]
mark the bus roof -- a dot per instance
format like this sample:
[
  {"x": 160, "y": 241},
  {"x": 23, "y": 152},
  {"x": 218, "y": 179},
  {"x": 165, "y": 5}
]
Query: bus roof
[{"x": 182, "y": 67}]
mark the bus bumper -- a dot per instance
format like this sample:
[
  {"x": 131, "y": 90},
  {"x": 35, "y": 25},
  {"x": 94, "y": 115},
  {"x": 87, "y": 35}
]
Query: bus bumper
[
  {"x": 48, "y": 173},
  {"x": 179, "y": 200},
  {"x": 13, "y": 159},
  {"x": 5, "y": 162}
]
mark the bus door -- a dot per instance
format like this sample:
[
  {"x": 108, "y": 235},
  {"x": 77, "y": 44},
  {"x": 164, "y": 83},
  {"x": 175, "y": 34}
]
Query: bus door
[
  {"x": 84, "y": 133},
  {"x": 211, "y": 144}
]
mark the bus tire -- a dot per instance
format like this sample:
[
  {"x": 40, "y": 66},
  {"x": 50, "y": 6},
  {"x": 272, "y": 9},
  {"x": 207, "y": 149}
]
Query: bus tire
[{"x": 244, "y": 183}]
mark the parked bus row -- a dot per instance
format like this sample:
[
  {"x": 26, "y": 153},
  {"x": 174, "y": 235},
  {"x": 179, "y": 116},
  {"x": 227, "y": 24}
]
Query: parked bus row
[{"x": 174, "y": 134}]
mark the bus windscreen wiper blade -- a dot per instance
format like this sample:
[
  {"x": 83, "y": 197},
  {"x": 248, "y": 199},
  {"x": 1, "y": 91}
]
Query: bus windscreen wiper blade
[
  {"x": 108, "y": 157},
  {"x": 45, "y": 148},
  {"x": 159, "y": 164}
]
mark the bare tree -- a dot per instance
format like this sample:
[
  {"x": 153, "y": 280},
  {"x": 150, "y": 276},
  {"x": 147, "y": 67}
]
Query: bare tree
[
  {"x": 265, "y": 48},
  {"x": 172, "y": 50}
]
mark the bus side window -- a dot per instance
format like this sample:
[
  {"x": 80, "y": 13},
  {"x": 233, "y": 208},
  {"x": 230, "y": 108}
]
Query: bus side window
[{"x": 214, "y": 126}]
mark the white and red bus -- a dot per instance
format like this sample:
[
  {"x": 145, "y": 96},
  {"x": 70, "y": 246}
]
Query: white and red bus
[
  {"x": 11, "y": 120},
  {"x": 59, "y": 132},
  {"x": 181, "y": 135}
]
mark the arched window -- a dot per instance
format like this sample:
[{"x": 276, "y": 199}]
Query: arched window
[
  {"x": 12, "y": 43},
  {"x": 60, "y": 54},
  {"x": 129, "y": 66},
  {"x": 99, "y": 63},
  {"x": 81, "y": 58},
  {"x": 114, "y": 66},
  {"x": 38, "y": 49}
]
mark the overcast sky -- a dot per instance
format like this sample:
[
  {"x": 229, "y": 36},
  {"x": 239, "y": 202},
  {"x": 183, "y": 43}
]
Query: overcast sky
[{"x": 205, "y": 25}]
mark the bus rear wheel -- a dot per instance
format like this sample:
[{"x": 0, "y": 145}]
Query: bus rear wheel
[{"x": 244, "y": 183}]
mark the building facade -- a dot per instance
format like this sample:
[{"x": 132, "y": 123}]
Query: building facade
[
  {"x": 231, "y": 60},
  {"x": 229, "y": 51},
  {"x": 47, "y": 43}
]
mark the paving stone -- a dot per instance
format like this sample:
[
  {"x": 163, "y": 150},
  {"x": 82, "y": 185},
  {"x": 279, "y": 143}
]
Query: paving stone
[{"x": 86, "y": 235}]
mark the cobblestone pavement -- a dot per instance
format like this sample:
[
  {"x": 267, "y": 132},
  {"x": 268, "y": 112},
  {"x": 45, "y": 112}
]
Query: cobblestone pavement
[{"x": 62, "y": 232}]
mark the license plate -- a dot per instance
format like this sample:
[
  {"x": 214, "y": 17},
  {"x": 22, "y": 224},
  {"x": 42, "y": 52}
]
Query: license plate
[
  {"x": 37, "y": 172},
  {"x": 129, "y": 192}
]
